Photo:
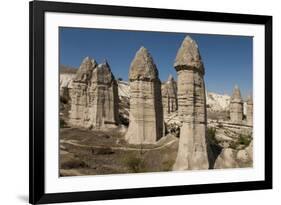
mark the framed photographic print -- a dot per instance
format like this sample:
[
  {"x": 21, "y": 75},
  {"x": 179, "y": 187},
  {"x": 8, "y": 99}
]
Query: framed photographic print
[{"x": 140, "y": 102}]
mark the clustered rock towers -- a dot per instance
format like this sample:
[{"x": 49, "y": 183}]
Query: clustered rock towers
[
  {"x": 236, "y": 108},
  {"x": 146, "y": 113},
  {"x": 94, "y": 96},
  {"x": 169, "y": 96},
  {"x": 95, "y": 102}
]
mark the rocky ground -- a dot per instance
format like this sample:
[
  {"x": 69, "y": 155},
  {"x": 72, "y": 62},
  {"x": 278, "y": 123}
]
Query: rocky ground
[
  {"x": 87, "y": 152},
  {"x": 93, "y": 152}
]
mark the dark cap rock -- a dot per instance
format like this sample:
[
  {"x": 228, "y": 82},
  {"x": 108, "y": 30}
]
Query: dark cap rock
[
  {"x": 85, "y": 70},
  {"x": 143, "y": 67},
  {"x": 188, "y": 56}
]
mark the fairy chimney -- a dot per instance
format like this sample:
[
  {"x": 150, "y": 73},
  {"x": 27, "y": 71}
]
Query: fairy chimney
[
  {"x": 94, "y": 96},
  {"x": 192, "y": 151},
  {"x": 169, "y": 96},
  {"x": 250, "y": 111},
  {"x": 79, "y": 97},
  {"x": 103, "y": 98},
  {"x": 146, "y": 112},
  {"x": 236, "y": 106}
]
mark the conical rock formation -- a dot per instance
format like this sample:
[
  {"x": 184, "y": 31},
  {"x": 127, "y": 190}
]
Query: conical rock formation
[
  {"x": 103, "y": 98},
  {"x": 169, "y": 95},
  {"x": 236, "y": 106},
  {"x": 250, "y": 111},
  {"x": 146, "y": 112},
  {"x": 192, "y": 151},
  {"x": 94, "y": 96}
]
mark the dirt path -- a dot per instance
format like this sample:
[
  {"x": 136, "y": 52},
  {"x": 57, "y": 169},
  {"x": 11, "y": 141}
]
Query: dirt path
[{"x": 73, "y": 142}]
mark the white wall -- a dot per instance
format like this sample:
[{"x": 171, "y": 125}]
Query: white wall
[{"x": 14, "y": 44}]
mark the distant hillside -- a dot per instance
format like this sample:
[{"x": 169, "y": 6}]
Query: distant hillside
[
  {"x": 215, "y": 102},
  {"x": 67, "y": 69}
]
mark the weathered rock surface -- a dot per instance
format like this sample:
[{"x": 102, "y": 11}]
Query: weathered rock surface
[
  {"x": 169, "y": 96},
  {"x": 146, "y": 112},
  {"x": 192, "y": 152},
  {"x": 94, "y": 96},
  {"x": 226, "y": 159},
  {"x": 250, "y": 111},
  {"x": 231, "y": 158},
  {"x": 103, "y": 98},
  {"x": 246, "y": 155},
  {"x": 236, "y": 106},
  {"x": 78, "y": 94},
  {"x": 65, "y": 86}
]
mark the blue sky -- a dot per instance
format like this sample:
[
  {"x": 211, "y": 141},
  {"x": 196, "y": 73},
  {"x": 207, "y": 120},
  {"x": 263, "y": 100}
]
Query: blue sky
[{"x": 227, "y": 59}]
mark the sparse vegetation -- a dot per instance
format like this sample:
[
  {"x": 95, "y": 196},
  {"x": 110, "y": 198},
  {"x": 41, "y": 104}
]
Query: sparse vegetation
[
  {"x": 172, "y": 128},
  {"x": 168, "y": 165},
  {"x": 242, "y": 142},
  {"x": 134, "y": 163},
  {"x": 73, "y": 163},
  {"x": 211, "y": 133}
]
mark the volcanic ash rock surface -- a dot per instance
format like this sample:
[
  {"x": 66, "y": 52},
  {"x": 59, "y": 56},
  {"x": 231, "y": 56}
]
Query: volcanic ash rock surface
[
  {"x": 169, "y": 96},
  {"x": 236, "y": 106},
  {"x": 146, "y": 112},
  {"x": 94, "y": 96},
  {"x": 250, "y": 111},
  {"x": 192, "y": 152}
]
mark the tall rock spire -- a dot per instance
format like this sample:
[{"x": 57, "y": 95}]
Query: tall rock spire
[
  {"x": 146, "y": 113},
  {"x": 169, "y": 95},
  {"x": 103, "y": 98},
  {"x": 84, "y": 72},
  {"x": 236, "y": 106},
  {"x": 94, "y": 96},
  {"x": 250, "y": 111},
  {"x": 192, "y": 151},
  {"x": 78, "y": 94}
]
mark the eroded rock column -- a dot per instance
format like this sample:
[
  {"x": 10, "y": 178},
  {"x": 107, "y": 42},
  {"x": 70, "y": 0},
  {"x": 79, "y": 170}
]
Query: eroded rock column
[
  {"x": 103, "y": 98},
  {"x": 192, "y": 152},
  {"x": 250, "y": 111},
  {"x": 94, "y": 96},
  {"x": 236, "y": 106},
  {"x": 79, "y": 93},
  {"x": 169, "y": 96},
  {"x": 146, "y": 112}
]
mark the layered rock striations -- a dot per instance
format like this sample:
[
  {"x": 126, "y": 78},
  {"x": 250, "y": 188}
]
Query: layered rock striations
[
  {"x": 146, "y": 112},
  {"x": 78, "y": 94},
  {"x": 169, "y": 96},
  {"x": 250, "y": 111},
  {"x": 236, "y": 106},
  {"x": 94, "y": 96},
  {"x": 103, "y": 98},
  {"x": 192, "y": 151}
]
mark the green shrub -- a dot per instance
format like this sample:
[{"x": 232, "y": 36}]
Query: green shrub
[
  {"x": 168, "y": 165},
  {"x": 134, "y": 163},
  {"x": 211, "y": 133},
  {"x": 244, "y": 140}
]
